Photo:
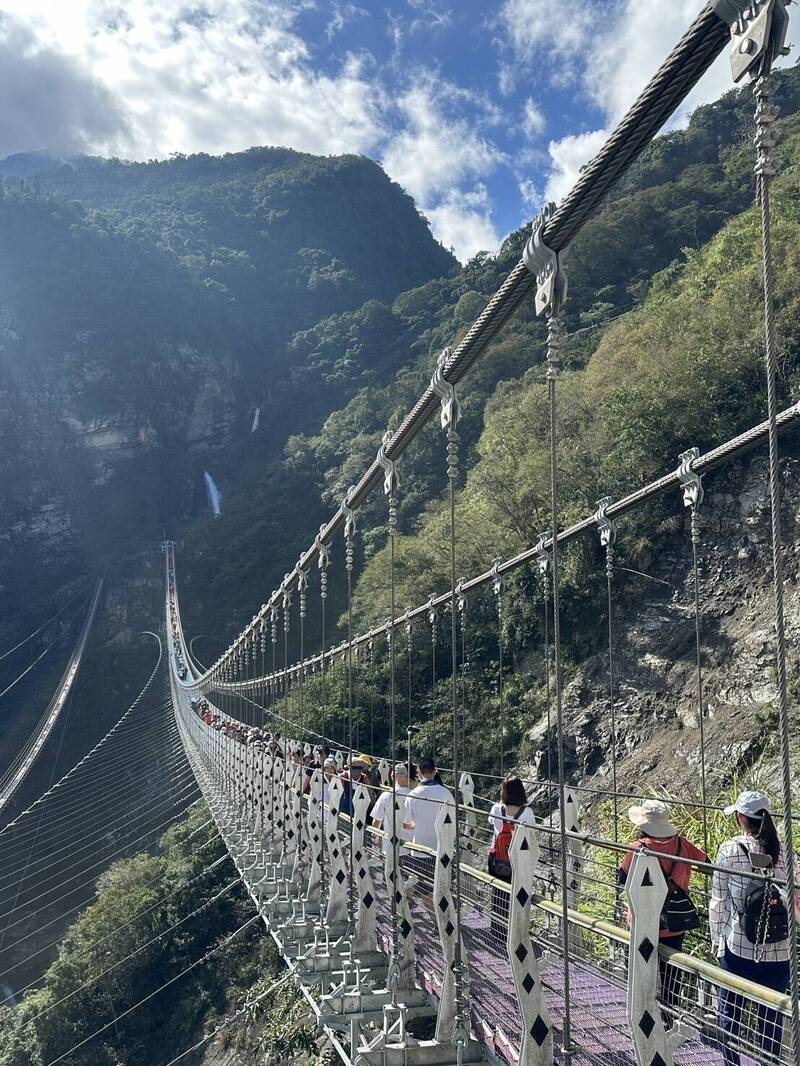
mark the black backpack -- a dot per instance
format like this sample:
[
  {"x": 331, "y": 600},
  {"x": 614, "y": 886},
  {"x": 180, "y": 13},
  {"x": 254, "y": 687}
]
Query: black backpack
[
  {"x": 679, "y": 914},
  {"x": 763, "y": 915}
]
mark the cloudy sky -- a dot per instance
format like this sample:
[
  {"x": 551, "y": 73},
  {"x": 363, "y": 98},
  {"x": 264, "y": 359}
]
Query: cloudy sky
[{"x": 480, "y": 110}]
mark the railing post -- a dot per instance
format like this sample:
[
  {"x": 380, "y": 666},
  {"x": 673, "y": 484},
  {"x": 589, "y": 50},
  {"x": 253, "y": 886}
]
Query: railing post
[
  {"x": 337, "y": 890},
  {"x": 277, "y": 809},
  {"x": 296, "y": 807},
  {"x": 366, "y": 936},
  {"x": 646, "y": 890},
  {"x": 466, "y": 787},
  {"x": 384, "y": 774},
  {"x": 315, "y": 841},
  {"x": 537, "y": 1030},
  {"x": 268, "y": 825},
  {"x": 574, "y": 849},
  {"x": 444, "y": 909},
  {"x": 395, "y": 883}
]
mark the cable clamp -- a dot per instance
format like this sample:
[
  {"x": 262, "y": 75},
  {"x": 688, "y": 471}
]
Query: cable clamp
[
  {"x": 461, "y": 595},
  {"x": 542, "y": 554},
  {"x": 389, "y": 468},
  {"x": 431, "y": 611},
  {"x": 605, "y": 527},
  {"x": 545, "y": 265},
  {"x": 287, "y": 592},
  {"x": 323, "y": 555},
  {"x": 497, "y": 577},
  {"x": 349, "y": 514},
  {"x": 409, "y": 625},
  {"x": 446, "y": 391},
  {"x": 691, "y": 484},
  {"x": 758, "y": 32},
  {"x": 302, "y": 578}
]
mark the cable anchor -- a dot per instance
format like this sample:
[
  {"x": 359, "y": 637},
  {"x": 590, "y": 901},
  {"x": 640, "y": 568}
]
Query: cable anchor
[{"x": 545, "y": 265}]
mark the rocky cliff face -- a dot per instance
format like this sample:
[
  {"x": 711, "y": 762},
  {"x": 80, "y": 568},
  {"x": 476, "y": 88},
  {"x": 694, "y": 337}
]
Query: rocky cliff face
[{"x": 656, "y": 704}]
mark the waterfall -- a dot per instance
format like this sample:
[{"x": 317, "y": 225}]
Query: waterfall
[
  {"x": 256, "y": 420},
  {"x": 214, "y": 495}
]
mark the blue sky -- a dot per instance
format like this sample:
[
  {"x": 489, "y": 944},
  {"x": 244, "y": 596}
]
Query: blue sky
[{"x": 481, "y": 111}]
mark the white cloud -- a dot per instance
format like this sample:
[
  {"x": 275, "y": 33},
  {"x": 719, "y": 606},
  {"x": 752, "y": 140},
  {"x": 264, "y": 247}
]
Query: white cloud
[
  {"x": 463, "y": 221},
  {"x": 535, "y": 25},
  {"x": 567, "y": 156},
  {"x": 533, "y": 120},
  {"x": 435, "y": 151},
  {"x": 216, "y": 77},
  {"x": 48, "y": 100},
  {"x": 439, "y": 157}
]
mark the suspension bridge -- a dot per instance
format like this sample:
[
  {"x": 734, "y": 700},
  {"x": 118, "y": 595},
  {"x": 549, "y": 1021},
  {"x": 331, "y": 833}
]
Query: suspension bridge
[{"x": 415, "y": 955}]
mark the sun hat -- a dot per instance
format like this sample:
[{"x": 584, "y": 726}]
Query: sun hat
[
  {"x": 751, "y": 804},
  {"x": 653, "y": 817}
]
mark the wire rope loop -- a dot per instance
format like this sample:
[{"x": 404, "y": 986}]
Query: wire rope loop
[
  {"x": 391, "y": 481},
  {"x": 446, "y": 391},
  {"x": 690, "y": 481}
]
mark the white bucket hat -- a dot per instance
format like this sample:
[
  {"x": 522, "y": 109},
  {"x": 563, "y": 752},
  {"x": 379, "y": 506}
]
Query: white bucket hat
[
  {"x": 653, "y": 818},
  {"x": 751, "y": 804}
]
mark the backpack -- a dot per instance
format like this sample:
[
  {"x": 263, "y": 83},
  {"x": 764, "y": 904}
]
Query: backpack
[
  {"x": 499, "y": 860},
  {"x": 763, "y": 915},
  {"x": 679, "y": 914}
]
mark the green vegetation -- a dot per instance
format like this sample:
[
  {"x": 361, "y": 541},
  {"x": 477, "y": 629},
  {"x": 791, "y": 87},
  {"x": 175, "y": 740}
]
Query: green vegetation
[{"x": 107, "y": 963}]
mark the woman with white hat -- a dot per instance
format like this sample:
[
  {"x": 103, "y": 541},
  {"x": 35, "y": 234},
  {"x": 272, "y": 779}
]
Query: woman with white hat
[
  {"x": 656, "y": 833},
  {"x": 748, "y": 920}
]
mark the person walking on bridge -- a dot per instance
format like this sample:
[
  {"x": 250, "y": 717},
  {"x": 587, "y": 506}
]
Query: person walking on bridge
[
  {"x": 656, "y": 833},
  {"x": 504, "y": 817},
  {"x": 421, "y": 811},
  {"x": 749, "y": 921}
]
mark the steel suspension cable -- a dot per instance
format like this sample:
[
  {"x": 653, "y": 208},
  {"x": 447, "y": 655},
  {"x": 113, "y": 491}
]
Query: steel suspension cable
[
  {"x": 554, "y": 327},
  {"x": 765, "y": 116}
]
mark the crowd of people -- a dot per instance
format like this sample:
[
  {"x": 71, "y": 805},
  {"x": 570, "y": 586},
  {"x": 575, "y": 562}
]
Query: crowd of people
[{"x": 747, "y": 916}]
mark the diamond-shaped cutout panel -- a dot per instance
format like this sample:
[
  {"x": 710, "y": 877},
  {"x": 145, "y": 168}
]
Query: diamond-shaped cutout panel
[
  {"x": 362, "y": 873},
  {"x": 657, "y": 1060},
  {"x": 445, "y": 860},
  {"x": 528, "y": 983},
  {"x": 443, "y": 904},
  {"x": 521, "y": 952},
  {"x": 522, "y": 897},
  {"x": 646, "y": 949},
  {"x": 646, "y": 1023},
  {"x": 539, "y": 1030},
  {"x": 405, "y": 928},
  {"x": 368, "y": 899},
  {"x": 339, "y": 876},
  {"x": 449, "y": 928}
]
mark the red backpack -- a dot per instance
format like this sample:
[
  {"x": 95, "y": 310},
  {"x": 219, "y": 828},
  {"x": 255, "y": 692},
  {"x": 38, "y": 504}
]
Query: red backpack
[{"x": 499, "y": 859}]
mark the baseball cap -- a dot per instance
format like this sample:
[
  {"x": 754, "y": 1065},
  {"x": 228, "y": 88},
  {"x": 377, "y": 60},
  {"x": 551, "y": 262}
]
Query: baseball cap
[{"x": 750, "y": 804}]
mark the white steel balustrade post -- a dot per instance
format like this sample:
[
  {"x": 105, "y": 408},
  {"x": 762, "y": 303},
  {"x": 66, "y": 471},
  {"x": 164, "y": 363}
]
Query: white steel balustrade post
[
  {"x": 336, "y": 911},
  {"x": 646, "y": 889},
  {"x": 444, "y": 909},
  {"x": 395, "y": 883},
  {"x": 537, "y": 1029},
  {"x": 366, "y": 936},
  {"x": 466, "y": 787},
  {"x": 315, "y": 840}
]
